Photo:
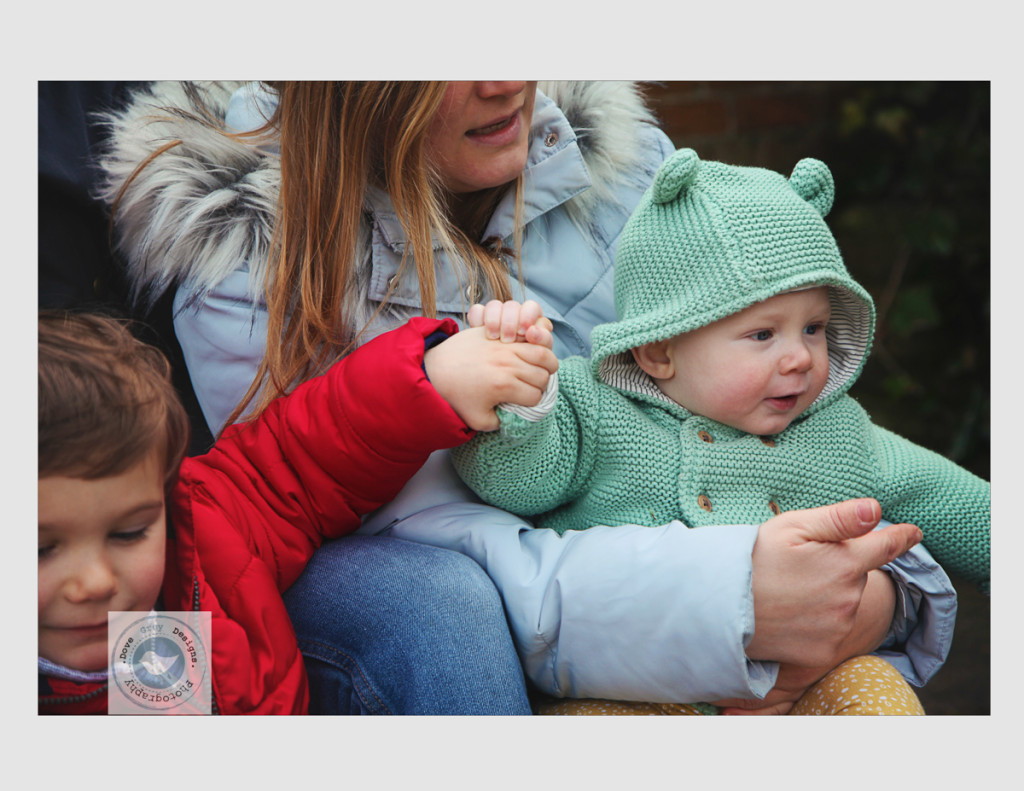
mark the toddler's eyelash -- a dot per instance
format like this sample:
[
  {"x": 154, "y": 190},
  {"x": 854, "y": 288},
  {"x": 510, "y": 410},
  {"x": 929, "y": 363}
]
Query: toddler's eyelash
[{"x": 129, "y": 536}]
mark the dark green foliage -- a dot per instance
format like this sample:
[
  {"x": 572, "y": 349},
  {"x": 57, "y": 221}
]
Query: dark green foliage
[
  {"x": 912, "y": 169},
  {"x": 911, "y": 164}
]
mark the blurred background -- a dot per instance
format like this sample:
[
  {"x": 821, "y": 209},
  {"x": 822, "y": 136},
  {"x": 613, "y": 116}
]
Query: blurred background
[{"x": 911, "y": 216}]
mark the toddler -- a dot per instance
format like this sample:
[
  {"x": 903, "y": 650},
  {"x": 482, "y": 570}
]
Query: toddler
[
  {"x": 127, "y": 524},
  {"x": 719, "y": 396}
]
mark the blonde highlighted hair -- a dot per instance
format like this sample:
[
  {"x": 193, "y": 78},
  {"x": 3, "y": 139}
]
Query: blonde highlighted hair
[{"x": 336, "y": 140}]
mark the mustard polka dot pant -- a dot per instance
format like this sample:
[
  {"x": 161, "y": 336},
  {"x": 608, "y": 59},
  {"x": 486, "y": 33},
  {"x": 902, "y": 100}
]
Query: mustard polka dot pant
[{"x": 864, "y": 685}]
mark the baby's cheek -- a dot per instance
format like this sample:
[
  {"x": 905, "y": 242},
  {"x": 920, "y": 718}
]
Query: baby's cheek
[{"x": 745, "y": 392}]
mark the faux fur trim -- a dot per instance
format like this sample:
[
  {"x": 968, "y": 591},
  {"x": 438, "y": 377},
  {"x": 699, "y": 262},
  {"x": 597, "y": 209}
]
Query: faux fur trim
[
  {"x": 605, "y": 116},
  {"x": 206, "y": 205},
  {"x": 196, "y": 211}
]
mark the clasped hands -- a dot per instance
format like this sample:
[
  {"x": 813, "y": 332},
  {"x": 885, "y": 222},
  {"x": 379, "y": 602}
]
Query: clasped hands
[{"x": 474, "y": 374}]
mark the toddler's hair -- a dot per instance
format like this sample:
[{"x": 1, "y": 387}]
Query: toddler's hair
[{"x": 105, "y": 399}]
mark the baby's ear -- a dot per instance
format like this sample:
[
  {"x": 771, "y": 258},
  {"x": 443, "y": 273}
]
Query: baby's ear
[
  {"x": 654, "y": 360},
  {"x": 676, "y": 175},
  {"x": 812, "y": 181}
]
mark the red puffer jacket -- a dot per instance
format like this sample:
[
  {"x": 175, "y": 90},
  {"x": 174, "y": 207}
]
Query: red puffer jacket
[{"x": 248, "y": 514}]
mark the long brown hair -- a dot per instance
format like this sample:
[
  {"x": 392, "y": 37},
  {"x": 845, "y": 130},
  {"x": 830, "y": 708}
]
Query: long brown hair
[{"x": 336, "y": 139}]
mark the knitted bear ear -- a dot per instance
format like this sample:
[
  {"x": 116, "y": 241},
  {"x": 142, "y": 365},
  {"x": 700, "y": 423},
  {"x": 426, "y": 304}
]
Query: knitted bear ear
[
  {"x": 676, "y": 173},
  {"x": 812, "y": 181}
]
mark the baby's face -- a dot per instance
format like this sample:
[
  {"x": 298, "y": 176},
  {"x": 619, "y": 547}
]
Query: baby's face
[
  {"x": 758, "y": 369},
  {"x": 101, "y": 549}
]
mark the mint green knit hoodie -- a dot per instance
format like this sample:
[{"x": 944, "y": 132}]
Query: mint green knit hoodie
[{"x": 706, "y": 241}]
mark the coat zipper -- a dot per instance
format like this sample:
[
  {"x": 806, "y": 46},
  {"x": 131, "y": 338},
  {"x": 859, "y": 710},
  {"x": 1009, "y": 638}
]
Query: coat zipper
[
  {"x": 195, "y": 608},
  {"x": 68, "y": 700}
]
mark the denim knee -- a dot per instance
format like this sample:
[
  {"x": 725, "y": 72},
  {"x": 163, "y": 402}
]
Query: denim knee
[{"x": 406, "y": 628}]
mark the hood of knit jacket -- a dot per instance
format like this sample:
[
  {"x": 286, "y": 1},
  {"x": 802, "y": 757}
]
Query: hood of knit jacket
[
  {"x": 708, "y": 240},
  {"x": 207, "y": 202}
]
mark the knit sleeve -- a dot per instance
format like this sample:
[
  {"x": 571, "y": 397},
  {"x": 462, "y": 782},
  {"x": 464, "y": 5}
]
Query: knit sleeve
[
  {"x": 950, "y": 505},
  {"x": 529, "y": 467}
]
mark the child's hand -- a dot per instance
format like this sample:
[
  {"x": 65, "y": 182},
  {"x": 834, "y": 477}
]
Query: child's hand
[
  {"x": 474, "y": 375},
  {"x": 510, "y": 322}
]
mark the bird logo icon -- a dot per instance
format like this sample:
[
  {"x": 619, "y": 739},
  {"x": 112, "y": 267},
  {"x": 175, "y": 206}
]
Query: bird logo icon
[{"x": 158, "y": 663}]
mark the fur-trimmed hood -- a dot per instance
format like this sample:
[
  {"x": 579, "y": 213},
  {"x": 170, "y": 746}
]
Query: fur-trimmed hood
[{"x": 203, "y": 203}]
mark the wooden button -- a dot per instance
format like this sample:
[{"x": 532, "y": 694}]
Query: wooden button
[
  {"x": 704, "y": 502},
  {"x": 768, "y": 441},
  {"x": 774, "y": 507},
  {"x": 705, "y": 436}
]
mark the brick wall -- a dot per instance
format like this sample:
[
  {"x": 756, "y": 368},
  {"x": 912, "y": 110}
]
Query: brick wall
[{"x": 768, "y": 124}]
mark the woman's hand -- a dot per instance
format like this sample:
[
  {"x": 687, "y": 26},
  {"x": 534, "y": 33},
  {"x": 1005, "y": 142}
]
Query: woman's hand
[
  {"x": 474, "y": 374},
  {"x": 792, "y": 682},
  {"x": 871, "y": 624},
  {"x": 510, "y": 322},
  {"x": 810, "y": 569}
]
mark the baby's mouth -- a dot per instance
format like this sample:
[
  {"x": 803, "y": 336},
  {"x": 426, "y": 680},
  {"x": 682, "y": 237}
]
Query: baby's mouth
[{"x": 783, "y": 403}]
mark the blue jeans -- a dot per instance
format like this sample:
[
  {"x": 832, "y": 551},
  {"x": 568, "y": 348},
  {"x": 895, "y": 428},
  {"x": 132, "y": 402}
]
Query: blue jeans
[{"x": 388, "y": 626}]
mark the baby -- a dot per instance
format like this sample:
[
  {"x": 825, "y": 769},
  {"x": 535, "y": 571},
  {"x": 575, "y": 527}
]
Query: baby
[{"x": 720, "y": 394}]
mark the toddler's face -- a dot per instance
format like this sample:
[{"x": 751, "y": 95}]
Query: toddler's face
[
  {"x": 758, "y": 369},
  {"x": 101, "y": 548}
]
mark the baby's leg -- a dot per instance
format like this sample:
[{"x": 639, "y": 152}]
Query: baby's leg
[
  {"x": 862, "y": 685},
  {"x": 573, "y": 707}
]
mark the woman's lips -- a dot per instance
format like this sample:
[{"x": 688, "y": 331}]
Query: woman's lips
[{"x": 504, "y": 130}]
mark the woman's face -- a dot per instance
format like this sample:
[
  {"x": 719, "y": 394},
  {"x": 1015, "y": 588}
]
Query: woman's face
[{"x": 480, "y": 136}]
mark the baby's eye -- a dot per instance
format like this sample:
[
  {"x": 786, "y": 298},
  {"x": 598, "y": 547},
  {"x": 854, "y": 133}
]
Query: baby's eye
[
  {"x": 814, "y": 329},
  {"x": 761, "y": 335},
  {"x": 46, "y": 551}
]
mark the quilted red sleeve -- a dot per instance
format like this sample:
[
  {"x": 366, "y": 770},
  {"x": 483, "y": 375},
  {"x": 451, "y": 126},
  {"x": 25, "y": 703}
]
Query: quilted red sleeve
[{"x": 333, "y": 450}]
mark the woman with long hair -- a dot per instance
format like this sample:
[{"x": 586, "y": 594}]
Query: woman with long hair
[{"x": 297, "y": 221}]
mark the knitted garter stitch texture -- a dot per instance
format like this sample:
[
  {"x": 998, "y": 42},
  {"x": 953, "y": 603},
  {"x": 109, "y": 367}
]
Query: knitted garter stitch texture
[{"x": 709, "y": 239}]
